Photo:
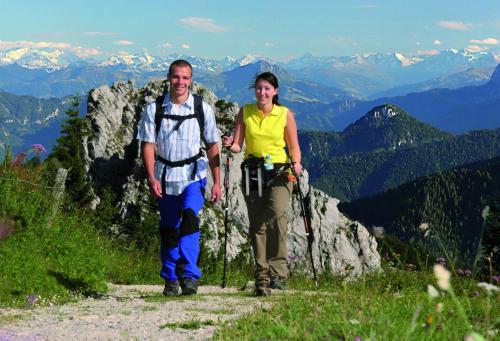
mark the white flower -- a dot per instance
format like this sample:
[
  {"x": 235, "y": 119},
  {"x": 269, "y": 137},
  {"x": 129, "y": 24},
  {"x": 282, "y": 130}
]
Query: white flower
[
  {"x": 439, "y": 307},
  {"x": 433, "y": 293},
  {"x": 474, "y": 337},
  {"x": 378, "y": 231},
  {"x": 486, "y": 212},
  {"x": 488, "y": 287},
  {"x": 443, "y": 276},
  {"x": 423, "y": 227}
]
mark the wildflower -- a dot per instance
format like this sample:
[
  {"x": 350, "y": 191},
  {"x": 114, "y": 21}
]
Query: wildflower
[
  {"x": 357, "y": 338},
  {"x": 32, "y": 298},
  {"x": 19, "y": 159},
  {"x": 441, "y": 260},
  {"x": 353, "y": 321},
  {"x": 488, "y": 287},
  {"x": 473, "y": 336},
  {"x": 467, "y": 273},
  {"x": 378, "y": 231},
  {"x": 495, "y": 279},
  {"x": 443, "y": 276},
  {"x": 428, "y": 320},
  {"x": 292, "y": 258},
  {"x": 38, "y": 148},
  {"x": 439, "y": 307},
  {"x": 460, "y": 272},
  {"x": 432, "y": 291},
  {"x": 423, "y": 227},
  {"x": 486, "y": 212}
]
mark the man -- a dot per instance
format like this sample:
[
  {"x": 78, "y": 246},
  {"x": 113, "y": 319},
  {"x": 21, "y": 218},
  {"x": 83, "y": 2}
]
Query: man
[{"x": 178, "y": 177}]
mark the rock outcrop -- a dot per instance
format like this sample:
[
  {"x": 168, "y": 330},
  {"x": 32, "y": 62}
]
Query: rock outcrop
[{"x": 113, "y": 160}]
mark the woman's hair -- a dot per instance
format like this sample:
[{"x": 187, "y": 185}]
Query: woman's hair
[{"x": 272, "y": 79}]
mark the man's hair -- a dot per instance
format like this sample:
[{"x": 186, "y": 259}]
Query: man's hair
[{"x": 179, "y": 63}]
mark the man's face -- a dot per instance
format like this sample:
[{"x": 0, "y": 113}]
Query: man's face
[{"x": 180, "y": 80}]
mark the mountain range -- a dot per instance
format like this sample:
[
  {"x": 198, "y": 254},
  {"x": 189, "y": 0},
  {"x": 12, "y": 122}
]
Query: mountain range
[{"x": 385, "y": 148}]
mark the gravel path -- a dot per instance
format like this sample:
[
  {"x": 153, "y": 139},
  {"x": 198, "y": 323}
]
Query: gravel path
[{"x": 129, "y": 312}]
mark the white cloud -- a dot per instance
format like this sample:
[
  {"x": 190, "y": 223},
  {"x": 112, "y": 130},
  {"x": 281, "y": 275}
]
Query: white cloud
[
  {"x": 123, "y": 42},
  {"x": 475, "y": 48},
  {"x": 99, "y": 33},
  {"x": 427, "y": 52},
  {"x": 85, "y": 52},
  {"x": 455, "y": 25},
  {"x": 437, "y": 42},
  {"x": 185, "y": 46},
  {"x": 487, "y": 41},
  {"x": 166, "y": 45},
  {"x": 268, "y": 44},
  {"x": 203, "y": 24},
  {"x": 4, "y": 45},
  {"x": 366, "y": 6}
]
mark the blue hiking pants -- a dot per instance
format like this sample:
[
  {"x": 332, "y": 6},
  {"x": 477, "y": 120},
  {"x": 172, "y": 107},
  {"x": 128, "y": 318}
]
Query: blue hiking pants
[{"x": 180, "y": 232}]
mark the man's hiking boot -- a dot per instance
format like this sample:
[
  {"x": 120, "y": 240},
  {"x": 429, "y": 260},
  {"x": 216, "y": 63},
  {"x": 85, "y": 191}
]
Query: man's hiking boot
[
  {"x": 171, "y": 288},
  {"x": 189, "y": 286},
  {"x": 277, "y": 283},
  {"x": 262, "y": 291}
]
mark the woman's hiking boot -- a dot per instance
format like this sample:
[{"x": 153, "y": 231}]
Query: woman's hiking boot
[
  {"x": 171, "y": 288},
  {"x": 262, "y": 291},
  {"x": 189, "y": 286},
  {"x": 277, "y": 283}
]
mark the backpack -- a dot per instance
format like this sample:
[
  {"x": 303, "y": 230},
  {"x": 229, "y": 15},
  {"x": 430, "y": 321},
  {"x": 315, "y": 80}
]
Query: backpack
[
  {"x": 198, "y": 114},
  {"x": 200, "y": 117}
]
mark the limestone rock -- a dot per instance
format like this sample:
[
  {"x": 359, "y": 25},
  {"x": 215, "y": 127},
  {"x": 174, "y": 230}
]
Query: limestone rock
[{"x": 113, "y": 160}]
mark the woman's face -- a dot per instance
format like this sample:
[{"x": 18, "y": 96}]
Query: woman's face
[{"x": 264, "y": 92}]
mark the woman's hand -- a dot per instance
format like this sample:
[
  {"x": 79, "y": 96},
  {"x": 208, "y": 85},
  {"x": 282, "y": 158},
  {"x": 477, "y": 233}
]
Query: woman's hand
[
  {"x": 296, "y": 168},
  {"x": 227, "y": 141}
]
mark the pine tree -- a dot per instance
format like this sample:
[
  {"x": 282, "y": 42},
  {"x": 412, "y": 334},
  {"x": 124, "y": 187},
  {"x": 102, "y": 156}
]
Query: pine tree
[{"x": 68, "y": 153}]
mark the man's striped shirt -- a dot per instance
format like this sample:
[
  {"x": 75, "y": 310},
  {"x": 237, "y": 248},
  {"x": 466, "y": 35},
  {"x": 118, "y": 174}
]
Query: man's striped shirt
[{"x": 180, "y": 144}]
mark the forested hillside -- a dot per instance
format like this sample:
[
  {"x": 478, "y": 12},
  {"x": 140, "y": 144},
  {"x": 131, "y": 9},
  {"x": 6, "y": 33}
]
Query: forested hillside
[{"x": 446, "y": 208}]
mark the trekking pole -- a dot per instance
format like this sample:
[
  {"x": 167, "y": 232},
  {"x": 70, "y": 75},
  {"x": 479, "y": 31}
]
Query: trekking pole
[
  {"x": 306, "y": 218},
  {"x": 226, "y": 214}
]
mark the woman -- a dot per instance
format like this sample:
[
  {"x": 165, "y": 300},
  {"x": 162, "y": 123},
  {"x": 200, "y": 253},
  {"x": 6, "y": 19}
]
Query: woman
[{"x": 267, "y": 128}]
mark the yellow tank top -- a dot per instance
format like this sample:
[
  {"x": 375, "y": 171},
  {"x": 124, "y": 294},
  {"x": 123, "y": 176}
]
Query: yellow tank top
[{"x": 265, "y": 135}]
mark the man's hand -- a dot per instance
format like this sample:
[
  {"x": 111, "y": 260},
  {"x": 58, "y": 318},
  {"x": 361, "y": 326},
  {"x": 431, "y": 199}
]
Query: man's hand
[
  {"x": 216, "y": 194},
  {"x": 155, "y": 188}
]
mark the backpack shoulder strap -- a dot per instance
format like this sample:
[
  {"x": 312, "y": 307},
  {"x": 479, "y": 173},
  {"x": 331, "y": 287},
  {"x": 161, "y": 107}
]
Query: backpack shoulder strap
[
  {"x": 200, "y": 116},
  {"x": 159, "y": 112}
]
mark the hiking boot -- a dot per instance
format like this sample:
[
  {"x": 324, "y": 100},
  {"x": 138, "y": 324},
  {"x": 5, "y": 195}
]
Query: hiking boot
[
  {"x": 262, "y": 291},
  {"x": 277, "y": 283},
  {"x": 189, "y": 286},
  {"x": 171, "y": 288}
]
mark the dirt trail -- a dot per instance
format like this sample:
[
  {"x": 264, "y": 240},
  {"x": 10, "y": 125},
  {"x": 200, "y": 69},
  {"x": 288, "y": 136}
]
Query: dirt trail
[{"x": 129, "y": 312}]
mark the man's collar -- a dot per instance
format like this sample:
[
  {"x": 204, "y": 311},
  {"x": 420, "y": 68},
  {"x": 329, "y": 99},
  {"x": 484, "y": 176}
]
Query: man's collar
[{"x": 188, "y": 104}]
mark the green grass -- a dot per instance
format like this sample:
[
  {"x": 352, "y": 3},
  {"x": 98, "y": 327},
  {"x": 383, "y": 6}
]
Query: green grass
[
  {"x": 192, "y": 324},
  {"x": 385, "y": 306}
]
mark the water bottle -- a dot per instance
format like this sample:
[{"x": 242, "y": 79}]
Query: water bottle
[{"x": 268, "y": 164}]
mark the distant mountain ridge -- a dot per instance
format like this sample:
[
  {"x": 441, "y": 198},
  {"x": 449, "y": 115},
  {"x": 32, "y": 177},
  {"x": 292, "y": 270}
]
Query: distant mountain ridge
[{"x": 379, "y": 152}]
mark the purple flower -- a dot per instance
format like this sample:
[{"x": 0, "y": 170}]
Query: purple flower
[
  {"x": 38, "y": 148},
  {"x": 460, "y": 272},
  {"x": 495, "y": 279},
  {"x": 467, "y": 273},
  {"x": 32, "y": 298},
  {"x": 292, "y": 258},
  {"x": 441, "y": 260},
  {"x": 357, "y": 338}
]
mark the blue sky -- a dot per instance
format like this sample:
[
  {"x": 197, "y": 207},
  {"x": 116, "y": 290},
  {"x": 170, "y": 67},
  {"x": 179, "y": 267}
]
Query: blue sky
[{"x": 277, "y": 29}]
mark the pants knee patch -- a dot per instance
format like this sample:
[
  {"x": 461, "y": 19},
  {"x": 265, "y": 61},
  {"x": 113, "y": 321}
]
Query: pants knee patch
[
  {"x": 190, "y": 223},
  {"x": 169, "y": 237}
]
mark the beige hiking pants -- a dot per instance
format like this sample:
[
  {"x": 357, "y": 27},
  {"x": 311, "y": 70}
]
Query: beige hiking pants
[{"x": 268, "y": 230}]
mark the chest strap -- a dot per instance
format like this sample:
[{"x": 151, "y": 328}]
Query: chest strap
[{"x": 180, "y": 163}]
